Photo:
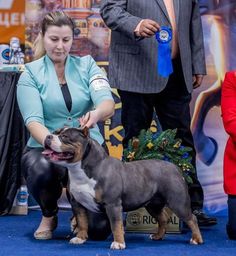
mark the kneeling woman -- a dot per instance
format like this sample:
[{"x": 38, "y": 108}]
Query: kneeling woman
[{"x": 55, "y": 91}]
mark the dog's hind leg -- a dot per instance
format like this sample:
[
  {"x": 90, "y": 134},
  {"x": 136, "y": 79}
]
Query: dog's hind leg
[
  {"x": 82, "y": 221},
  {"x": 162, "y": 218},
  {"x": 183, "y": 211},
  {"x": 196, "y": 234},
  {"x": 114, "y": 213},
  {"x": 178, "y": 200}
]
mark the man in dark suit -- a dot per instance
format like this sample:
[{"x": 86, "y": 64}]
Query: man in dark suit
[{"x": 133, "y": 70}]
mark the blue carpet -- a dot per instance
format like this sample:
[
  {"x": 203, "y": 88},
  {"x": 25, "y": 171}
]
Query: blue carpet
[{"x": 16, "y": 239}]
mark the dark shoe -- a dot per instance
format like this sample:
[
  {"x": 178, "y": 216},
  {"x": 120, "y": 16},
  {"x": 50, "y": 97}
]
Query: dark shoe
[
  {"x": 203, "y": 219},
  {"x": 230, "y": 232}
]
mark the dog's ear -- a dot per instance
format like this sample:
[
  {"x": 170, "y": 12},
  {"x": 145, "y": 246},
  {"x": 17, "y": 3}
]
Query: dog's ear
[{"x": 85, "y": 131}]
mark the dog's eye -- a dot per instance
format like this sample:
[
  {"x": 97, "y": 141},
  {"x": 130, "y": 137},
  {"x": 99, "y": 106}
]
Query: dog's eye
[{"x": 63, "y": 136}]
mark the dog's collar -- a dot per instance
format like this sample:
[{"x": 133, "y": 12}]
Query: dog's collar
[{"x": 86, "y": 152}]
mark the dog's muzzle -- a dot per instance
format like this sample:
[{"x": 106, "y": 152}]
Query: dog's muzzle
[{"x": 51, "y": 154}]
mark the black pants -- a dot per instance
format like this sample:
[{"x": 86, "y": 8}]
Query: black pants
[
  {"x": 231, "y": 226},
  {"x": 173, "y": 111},
  {"x": 44, "y": 179},
  {"x": 45, "y": 182}
]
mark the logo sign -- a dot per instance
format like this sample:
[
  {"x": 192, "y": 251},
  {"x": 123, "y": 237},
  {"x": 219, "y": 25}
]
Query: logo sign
[
  {"x": 134, "y": 218},
  {"x": 5, "y": 54},
  {"x": 141, "y": 221},
  {"x": 6, "y": 4}
]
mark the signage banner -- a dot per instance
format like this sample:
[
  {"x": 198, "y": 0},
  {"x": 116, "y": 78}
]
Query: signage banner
[{"x": 12, "y": 20}]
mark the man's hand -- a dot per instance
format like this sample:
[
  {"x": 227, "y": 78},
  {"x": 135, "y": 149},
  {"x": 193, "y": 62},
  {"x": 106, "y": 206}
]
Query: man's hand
[
  {"x": 148, "y": 28},
  {"x": 197, "y": 81}
]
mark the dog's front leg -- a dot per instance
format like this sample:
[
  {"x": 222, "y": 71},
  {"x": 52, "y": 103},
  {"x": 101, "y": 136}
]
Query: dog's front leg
[
  {"x": 82, "y": 222},
  {"x": 114, "y": 213}
]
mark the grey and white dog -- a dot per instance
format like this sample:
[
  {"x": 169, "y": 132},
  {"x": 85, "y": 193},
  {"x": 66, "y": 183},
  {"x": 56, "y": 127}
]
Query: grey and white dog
[{"x": 100, "y": 182}]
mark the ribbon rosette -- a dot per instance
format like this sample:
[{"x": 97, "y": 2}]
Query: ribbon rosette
[{"x": 164, "y": 63}]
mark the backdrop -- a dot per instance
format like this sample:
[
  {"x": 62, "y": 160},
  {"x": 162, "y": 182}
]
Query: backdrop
[{"x": 92, "y": 37}]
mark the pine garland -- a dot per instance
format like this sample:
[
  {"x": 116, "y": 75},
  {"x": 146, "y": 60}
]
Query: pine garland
[{"x": 163, "y": 146}]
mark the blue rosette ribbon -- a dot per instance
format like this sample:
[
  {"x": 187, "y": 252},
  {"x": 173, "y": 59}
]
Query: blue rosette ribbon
[{"x": 164, "y": 63}]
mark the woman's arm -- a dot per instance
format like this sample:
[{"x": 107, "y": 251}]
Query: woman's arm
[
  {"x": 30, "y": 105},
  {"x": 38, "y": 131},
  {"x": 228, "y": 104},
  {"x": 100, "y": 93}
]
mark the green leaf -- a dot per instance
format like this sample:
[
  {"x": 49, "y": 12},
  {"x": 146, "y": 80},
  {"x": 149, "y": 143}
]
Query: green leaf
[{"x": 165, "y": 146}]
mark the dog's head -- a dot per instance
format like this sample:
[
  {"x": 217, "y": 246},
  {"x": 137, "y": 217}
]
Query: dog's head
[{"x": 66, "y": 145}]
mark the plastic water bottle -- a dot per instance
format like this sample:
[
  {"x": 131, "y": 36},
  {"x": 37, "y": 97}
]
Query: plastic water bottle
[{"x": 22, "y": 196}]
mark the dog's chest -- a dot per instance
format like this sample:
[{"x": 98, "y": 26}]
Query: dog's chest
[{"x": 82, "y": 188}]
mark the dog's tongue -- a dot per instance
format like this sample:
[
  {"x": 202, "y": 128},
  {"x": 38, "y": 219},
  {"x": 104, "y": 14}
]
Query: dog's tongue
[
  {"x": 50, "y": 154},
  {"x": 47, "y": 152}
]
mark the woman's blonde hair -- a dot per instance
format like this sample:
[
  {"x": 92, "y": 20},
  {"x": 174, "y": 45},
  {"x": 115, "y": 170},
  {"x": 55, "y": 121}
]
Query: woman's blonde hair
[{"x": 57, "y": 18}]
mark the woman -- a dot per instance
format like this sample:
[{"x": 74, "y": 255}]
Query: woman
[
  {"x": 228, "y": 106},
  {"x": 54, "y": 91}
]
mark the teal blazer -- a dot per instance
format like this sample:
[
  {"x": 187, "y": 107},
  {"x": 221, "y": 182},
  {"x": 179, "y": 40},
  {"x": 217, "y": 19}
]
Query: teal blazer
[{"x": 40, "y": 97}]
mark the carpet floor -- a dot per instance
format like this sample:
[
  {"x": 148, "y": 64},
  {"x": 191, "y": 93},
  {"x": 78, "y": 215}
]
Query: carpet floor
[{"x": 16, "y": 239}]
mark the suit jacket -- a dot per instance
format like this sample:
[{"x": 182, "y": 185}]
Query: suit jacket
[
  {"x": 133, "y": 62},
  {"x": 228, "y": 107}
]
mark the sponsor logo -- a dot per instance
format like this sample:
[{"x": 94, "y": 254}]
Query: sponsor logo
[
  {"x": 137, "y": 219},
  {"x": 134, "y": 218},
  {"x": 5, "y": 54},
  {"x": 6, "y": 5}
]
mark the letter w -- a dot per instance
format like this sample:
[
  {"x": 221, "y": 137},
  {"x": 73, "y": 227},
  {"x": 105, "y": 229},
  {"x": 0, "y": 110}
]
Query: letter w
[{"x": 6, "y": 4}]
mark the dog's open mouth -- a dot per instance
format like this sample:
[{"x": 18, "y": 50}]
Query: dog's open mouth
[{"x": 57, "y": 156}]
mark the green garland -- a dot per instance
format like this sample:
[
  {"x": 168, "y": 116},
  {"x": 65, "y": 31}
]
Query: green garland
[{"x": 163, "y": 146}]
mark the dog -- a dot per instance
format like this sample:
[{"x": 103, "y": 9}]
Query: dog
[{"x": 102, "y": 183}]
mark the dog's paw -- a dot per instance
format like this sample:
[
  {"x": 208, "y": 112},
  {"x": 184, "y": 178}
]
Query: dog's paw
[
  {"x": 156, "y": 237},
  {"x": 117, "y": 246},
  {"x": 195, "y": 241},
  {"x": 77, "y": 240}
]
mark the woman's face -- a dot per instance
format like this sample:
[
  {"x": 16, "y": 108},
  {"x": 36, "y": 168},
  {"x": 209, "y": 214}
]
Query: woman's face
[{"x": 58, "y": 42}]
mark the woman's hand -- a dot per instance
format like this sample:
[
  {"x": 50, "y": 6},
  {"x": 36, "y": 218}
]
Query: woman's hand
[
  {"x": 89, "y": 119},
  {"x": 103, "y": 111}
]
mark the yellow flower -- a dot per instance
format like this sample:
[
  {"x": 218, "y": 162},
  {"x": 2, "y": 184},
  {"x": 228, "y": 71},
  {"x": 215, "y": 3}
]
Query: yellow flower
[
  {"x": 150, "y": 145},
  {"x": 177, "y": 144},
  {"x": 131, "y": 155}
]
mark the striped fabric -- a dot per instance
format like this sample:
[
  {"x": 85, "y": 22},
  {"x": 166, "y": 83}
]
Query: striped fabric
[{"x": 133, "y": 62}]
